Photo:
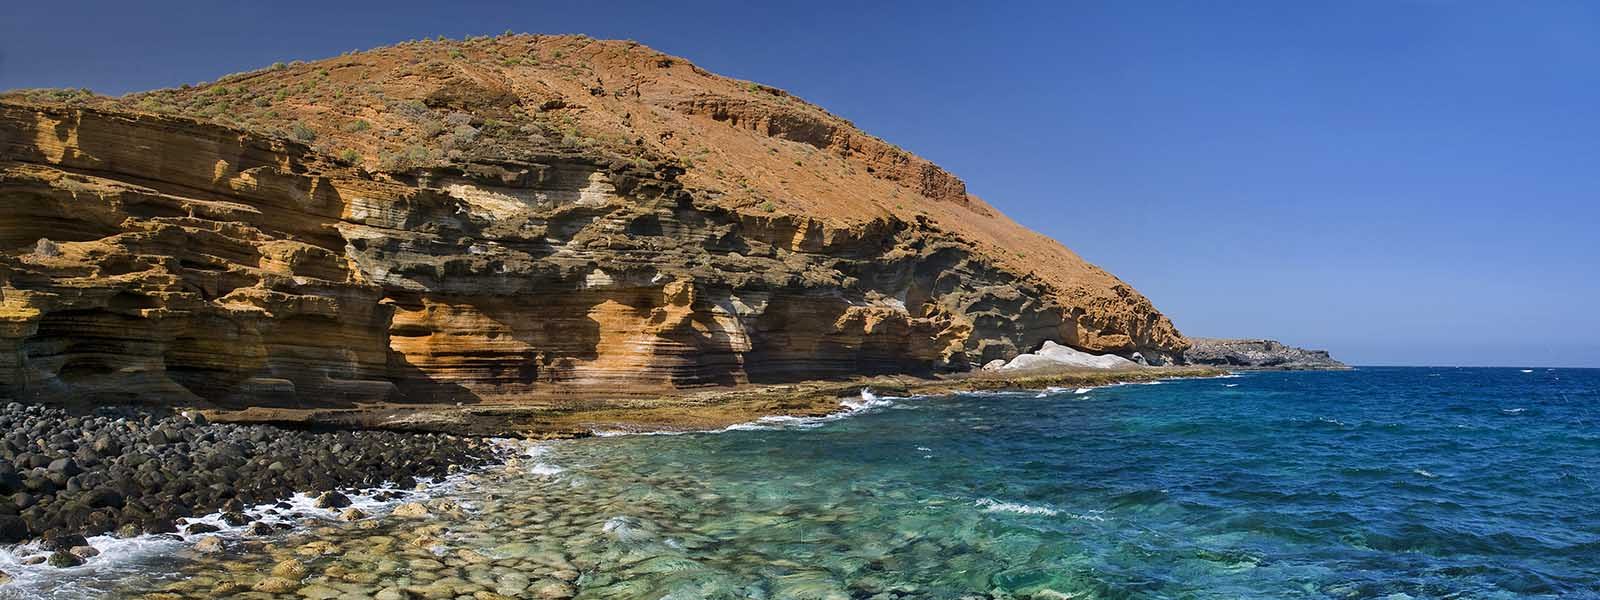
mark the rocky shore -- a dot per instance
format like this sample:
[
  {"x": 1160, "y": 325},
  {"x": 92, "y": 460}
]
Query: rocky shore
[
  {"x": 67, "y": 476},
  {"x": 129, "y": 472},
  {"x": 1258, "y": 354}
]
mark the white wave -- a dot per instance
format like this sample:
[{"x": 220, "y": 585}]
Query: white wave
[
  {"x": 621, "y": 432},
  {"x": 1527, "y": 370},
  {"x": 992, "y": 505},
  {"x": 1512, "y": 411},
  {"x": 1083, "y": 390},
  {"x": 1230, "y": 385},
  {"x": 867, "y": 402},
  {"x": 1425, "y": 473},
  {"x": 121, "y": 558},
  {"x": 529, "y": 456}
]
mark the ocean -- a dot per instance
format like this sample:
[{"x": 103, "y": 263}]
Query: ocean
[{"x": 1372, "y": 483}]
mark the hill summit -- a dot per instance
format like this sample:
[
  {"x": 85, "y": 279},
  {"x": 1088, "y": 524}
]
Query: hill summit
[{"x": 497, "y": 218}]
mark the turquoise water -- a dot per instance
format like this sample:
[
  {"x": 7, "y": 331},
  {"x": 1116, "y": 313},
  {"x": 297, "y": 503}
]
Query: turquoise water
[
  {"x": 1380, "y": 482},
  {"x": 1374, "y": 483}
]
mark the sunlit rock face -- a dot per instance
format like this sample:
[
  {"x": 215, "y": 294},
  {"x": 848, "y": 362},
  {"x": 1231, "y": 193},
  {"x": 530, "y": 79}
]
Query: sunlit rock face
[{"x": 159, "y": 259}]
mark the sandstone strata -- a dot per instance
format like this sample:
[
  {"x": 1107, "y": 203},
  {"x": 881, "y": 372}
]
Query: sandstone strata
[
  {"x": 695, "y": 231},
  {"x": 1258, "y": 354}
]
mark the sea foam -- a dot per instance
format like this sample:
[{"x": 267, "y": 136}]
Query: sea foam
[{"x": 992, "y": 505}]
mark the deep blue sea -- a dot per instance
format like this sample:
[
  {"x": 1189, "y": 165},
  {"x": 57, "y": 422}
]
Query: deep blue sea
[{"x": 1374, "y": 483}]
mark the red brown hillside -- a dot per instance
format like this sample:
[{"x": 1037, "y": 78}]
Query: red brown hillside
[{"x": 787, "y": 200}]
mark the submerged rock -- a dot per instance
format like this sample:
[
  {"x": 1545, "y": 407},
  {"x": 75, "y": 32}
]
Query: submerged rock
[
  {"x": 275, "y": 585},
  {"x": 289, "y": 569},
  {"x": 411, "y": 510},
  {"x": 209, "y": 545}
]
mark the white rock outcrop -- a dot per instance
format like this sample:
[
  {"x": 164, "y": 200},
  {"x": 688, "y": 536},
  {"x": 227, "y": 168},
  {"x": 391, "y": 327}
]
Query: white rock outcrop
[{"x": 1055, "y": 356}]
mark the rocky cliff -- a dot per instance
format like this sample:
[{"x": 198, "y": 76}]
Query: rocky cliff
[
  {"x": 1258, "y": 354},
  {"x": 521, "y": 218}
]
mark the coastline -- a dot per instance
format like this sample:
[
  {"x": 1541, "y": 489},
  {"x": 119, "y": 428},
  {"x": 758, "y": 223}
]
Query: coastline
[
  {"x": 690, "y": 410},
  {"x": 570, "y": 519},
  {"x": 238, "y": 469}
]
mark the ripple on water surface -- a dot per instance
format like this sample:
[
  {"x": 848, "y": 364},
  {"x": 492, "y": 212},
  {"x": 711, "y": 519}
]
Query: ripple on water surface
[{"x": 1374, "y": 483}]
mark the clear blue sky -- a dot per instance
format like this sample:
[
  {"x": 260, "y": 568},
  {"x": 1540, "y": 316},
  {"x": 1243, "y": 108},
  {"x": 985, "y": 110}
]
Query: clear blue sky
[{"x": 1402, "y": 182}]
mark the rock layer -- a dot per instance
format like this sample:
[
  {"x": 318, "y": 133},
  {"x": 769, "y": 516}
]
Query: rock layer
[{"x": 159, "y": 257}]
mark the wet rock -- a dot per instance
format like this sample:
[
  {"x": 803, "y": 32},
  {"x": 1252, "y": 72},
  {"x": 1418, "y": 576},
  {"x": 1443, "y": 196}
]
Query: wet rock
[
  {"x": 209, "y": 545},
  {"x": 62, "y": 559},
  {"x": 131, "y": 471},
  {"x": 199, "y": 528},
  {"x": 352, "y": 514},
  {"x": 332, "y": 500},
  {"x": 552, "y": 589},
  {"x": 411, "y": 510},
  {"x": 259, "y": 529},
  {"x": 318, "y": 592},
  {"x": 275, "y": 585},
  {"x": 289, "y": 569},
  {"x": 225, "y": 589},
  {"x": 12, "y": 528},
  {"x": 62, "y": 542},
  {"x": 317, "y": 548},
  {"x": 85, "y": 552}
]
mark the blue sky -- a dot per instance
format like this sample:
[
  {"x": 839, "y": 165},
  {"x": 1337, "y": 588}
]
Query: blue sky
[{"x": 1401, "y": 182}]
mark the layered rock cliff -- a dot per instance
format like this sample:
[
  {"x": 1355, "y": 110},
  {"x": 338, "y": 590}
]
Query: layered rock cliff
[
  {"x": 525, "y": 218},
  {"x": 1258, "y": 354}
]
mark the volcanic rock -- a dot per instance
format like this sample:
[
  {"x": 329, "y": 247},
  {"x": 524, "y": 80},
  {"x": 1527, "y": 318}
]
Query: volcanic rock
[
  {"x": 443, "y": 222},
  {"x": 1258, "y": 354}
]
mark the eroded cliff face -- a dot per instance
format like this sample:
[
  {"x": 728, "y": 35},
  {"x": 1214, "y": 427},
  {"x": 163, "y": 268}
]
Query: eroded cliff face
[
  {"x": 687, "y": 231},
  {"x": 193, "y": 262}
]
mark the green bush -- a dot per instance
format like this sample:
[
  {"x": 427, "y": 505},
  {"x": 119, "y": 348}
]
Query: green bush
[
  {"x": 301, "y": 132},
  {"x": 411, "y": 157}
]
